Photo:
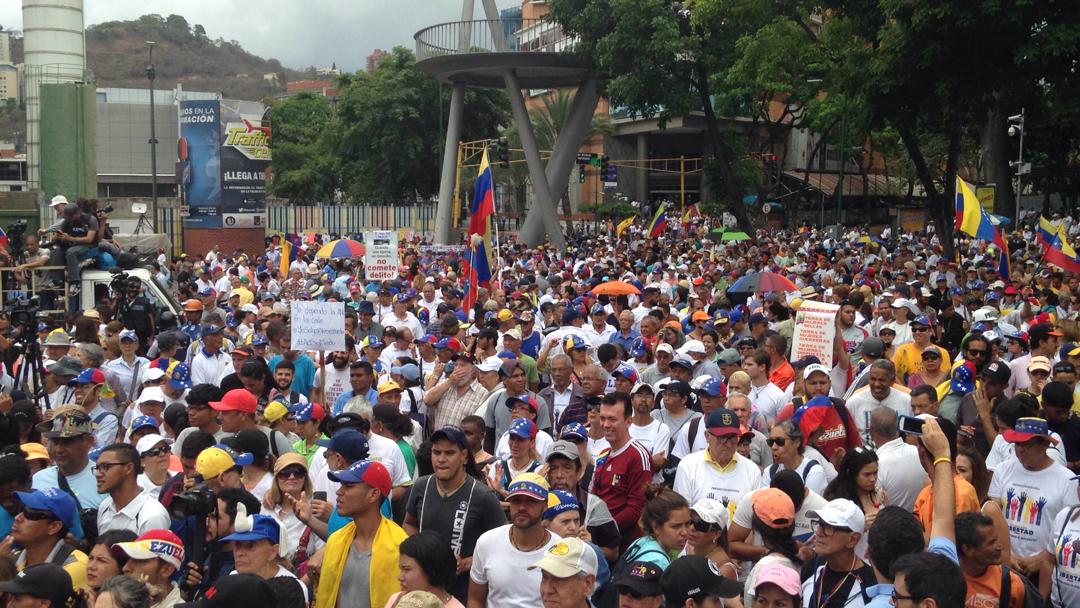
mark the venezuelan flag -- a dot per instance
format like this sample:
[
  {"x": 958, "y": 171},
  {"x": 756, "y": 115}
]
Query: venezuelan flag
[
  {"x": 623, "y": 225},
  {"x": 658, "y": 224},
  {"x": 973, "y": 220},
  {"x": 1057, "y": 250},
  {"x": 288, "y": 256},
  {"x": 479, "y": 255}
]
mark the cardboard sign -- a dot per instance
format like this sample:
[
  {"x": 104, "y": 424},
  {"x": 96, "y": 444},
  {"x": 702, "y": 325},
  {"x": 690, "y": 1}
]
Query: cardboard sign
[
  {"x": 381, "y": 259},
  {"x": 815, "y": 331},
  {"x": 318, "y": 325}
]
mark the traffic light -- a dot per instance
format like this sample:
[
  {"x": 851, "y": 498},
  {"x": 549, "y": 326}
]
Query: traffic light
[
  {"x": 605, "y": 160},
  {"x": 581, "y": 174},
  {"x": 503, "y": 152}
]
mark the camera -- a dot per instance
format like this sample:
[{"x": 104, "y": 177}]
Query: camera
[
  {"x": 106, "y": 209},
  {"x": 197, "y": 502},
  {"x": 23, "y": 313},
  {"x": 15, "y": 232}
]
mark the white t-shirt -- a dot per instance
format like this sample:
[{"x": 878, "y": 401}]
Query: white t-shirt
[
  {"x": 543, "y": 445},
  {"x": 337, "y": 382},
  {"x": 1066, "y": 585},
  {"x": 654, "y": 436},
  {"x": 900, "y": 474},
  {"x": 811, "y": 472},
  {"x": 863, "y": 402},
  {"x": 766, "y": 401},
  {"x": 744, "y": 514},
  {"x": 505, "y": 570},
  {"x": 698, "y": 477},
  {"x": 1030, "y": 500}
]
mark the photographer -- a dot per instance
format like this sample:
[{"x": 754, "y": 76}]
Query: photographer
[
  {"x": 135, "y": 310},
  {"x": 32, "y": 256},
  {"x": 76, "y": 235}
]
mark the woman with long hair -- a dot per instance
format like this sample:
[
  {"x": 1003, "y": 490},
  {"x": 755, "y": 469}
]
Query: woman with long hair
[
  {"x": 856, "y": 480},
  {"x": 291, "y": 485},
  {"x": 708, "y": 535},
  {"x": 123, "y": 591},
  {"x": 666, "y": 524},
  {"x": 101, "y": 563},
  {"x": 970, "y": 466},
  {"x": 426, "y": 563},
  {"x": 388, "y": 421}
]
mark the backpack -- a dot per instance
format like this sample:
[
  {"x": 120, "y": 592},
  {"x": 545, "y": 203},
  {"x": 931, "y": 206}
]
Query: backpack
[
  {"x": 1032, "y": 597},
  {"x": 671, "y": 465},
  {"x": 104, "y": 415},
  {"x": 608, "y": 595},
  {"x": 773, "y": 468}
]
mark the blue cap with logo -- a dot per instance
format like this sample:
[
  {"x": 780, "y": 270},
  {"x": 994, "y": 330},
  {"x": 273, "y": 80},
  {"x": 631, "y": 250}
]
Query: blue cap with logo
[
  {"x": 143, "y": 422},
  {"x": 350, "y": 443},
  {"x": 574, "y": 430},
  {"x": 181, "y": 377},
  {"x": 55, "y": 501}
]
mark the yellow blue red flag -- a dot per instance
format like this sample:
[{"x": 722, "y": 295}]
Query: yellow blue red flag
[
  {"x": 973, "y": 220},
  {"x": 478, "y": 258}
]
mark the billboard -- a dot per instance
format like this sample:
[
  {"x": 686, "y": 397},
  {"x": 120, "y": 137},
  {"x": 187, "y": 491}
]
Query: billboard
[{"x": 224, "y": 169}]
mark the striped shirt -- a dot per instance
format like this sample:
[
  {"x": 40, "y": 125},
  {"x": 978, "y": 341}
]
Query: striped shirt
[{"x": 454, "y": 406}]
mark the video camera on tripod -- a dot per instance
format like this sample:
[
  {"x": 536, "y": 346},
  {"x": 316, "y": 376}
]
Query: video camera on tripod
[
  {"x": 24, "y": 314},
  {"x": 15, "y": 233}
]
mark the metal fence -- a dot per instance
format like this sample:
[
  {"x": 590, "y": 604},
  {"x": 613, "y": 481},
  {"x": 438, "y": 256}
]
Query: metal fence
[{"x": 491, "y": 36}]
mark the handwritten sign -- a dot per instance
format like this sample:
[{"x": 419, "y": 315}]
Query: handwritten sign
[
  {"x": 318, "y": 325},
  {"x": 815, "y": 330},
  {"x": 381, "y": 255}
]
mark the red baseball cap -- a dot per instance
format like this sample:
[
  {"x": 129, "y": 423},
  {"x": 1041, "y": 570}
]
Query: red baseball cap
[{"x": 236, "y": 400}]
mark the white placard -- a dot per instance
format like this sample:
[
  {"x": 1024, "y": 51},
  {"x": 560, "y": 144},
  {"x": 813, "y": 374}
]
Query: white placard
[
  {"x": 318, "y": 325},
  {"x": 381, "y": 260},
  {"x": 815, "y": 331}
]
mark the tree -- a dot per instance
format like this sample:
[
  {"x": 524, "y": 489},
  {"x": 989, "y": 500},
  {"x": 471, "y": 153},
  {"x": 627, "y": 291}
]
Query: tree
[
  {"x": 305, "y": 168},
  {"x": 390, "y": 149}
]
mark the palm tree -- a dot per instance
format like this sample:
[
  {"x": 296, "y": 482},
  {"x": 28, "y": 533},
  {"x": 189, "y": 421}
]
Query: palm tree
[{"x": 548, "y": 122}]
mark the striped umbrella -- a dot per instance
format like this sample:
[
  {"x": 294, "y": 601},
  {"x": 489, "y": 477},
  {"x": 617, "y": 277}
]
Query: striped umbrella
[{"x": 341, "y": 248}]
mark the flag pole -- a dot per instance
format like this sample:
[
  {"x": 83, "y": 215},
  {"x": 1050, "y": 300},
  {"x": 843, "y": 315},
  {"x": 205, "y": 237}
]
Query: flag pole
[{"x": 495, "y": 223}]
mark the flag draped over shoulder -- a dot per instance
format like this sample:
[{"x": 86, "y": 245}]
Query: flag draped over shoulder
[
  {"x": 623, "y": 225},
  {"x": 1056, "y": 247},
  {"x": 658, "y": 223},
  {"x": 478, "y": 258},
  {"x": 973, "y": 220}
]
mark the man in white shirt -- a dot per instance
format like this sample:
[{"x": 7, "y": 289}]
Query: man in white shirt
[
  {"x": 652, "y": 434},
  {"x": 879, "y": 393},
  {"x": 127, "y": 506},
  {"x": 598, "y": 331},
  {"x": 210, "y": 365},
  {"x": 900, "y": 474},
  {"x": 766, "y": 397},
  {"x": 718, "y": 472}
]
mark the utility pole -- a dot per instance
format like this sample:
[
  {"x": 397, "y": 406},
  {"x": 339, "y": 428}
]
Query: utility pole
[
  {"x": 1016, "y": 127},
  {"x": 150, "y": 75}
]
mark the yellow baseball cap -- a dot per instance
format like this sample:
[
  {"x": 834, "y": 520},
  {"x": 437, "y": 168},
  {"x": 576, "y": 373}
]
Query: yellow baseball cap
[
  {"x": 212, "y": 462},
  {"x": 389, "y": 385},
  {"x": 35, "y": 451},
  {"x": 275, "y": 411}
]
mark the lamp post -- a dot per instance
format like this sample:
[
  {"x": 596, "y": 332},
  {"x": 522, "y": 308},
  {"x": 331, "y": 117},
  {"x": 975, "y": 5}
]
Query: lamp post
[
  {"x": 1016, "y": 128},
  {"x": 150, "y": 75}
]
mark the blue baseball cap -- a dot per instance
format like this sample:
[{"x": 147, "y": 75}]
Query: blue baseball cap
[
  {"x": 575, "y": 430},
  {"x": 576, "y": 343},
  {"x": 259, "y": 527},
  {"x": 714, "y": 388},
  {"x": 365, "y": 471},
  {"x": 569, "y": 315},
  {"x": 143, "y": 422},
  {"x": 522, "y": 428},
  {"x": 637, "y": 348},
  {"x": 453, "y": 434},
  {"x": 350, "y": 443},
  {"x": 963, "y": 378},
  {"x": 373, "y": 341},
  {"x": 757, "y": 317},
  {"x": 507, "y": 354},
  {"x": 55, "y": 501},
  {"x": 560, "y": 501},
  {"x": 129, "y": 334},
  {"x": 408, "y": 371},
  {"x": 209, "y": 291},
  {"x": 735, "y": 316},
  {"x": 365, "y": 308},
  {"x": 598, "y": 309},
  {"x": 957, "y": 291},
  {"x": 210, "y": 330},
  {"x": 259, "y": 340},
  {"x": 181, "y": 377},
  {"x": 921, "y": 320}
]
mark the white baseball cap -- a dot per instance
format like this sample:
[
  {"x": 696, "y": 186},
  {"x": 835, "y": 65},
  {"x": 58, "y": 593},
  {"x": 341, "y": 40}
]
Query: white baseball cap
[
  {"x": 815, "y": 367},
  {"x": 692, "y": 346},
  {"x": 568, "y": 557},
  {"x": 148, "y": 442},
  {"x": 840, "y": 513},
  {"x": 490, "y": 364},
  {"x": 665, "y": 347},
  {"x": 712, "y": 511}
]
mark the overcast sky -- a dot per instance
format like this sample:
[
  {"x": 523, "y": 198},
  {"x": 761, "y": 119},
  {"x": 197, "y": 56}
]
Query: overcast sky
[{"x": 297, "y": 32}]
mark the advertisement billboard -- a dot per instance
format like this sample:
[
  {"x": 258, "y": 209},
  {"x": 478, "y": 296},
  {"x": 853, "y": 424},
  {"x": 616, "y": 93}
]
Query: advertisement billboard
[
  {"x": 200, "y": 160},
  {"x": 223, "y": 156},
  {"x": 245, "y": 157}
]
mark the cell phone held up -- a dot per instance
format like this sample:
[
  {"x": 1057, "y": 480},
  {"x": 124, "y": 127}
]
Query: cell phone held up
[
  {"x": 319, "y": 496},
  {"x": 909, "y": 425}
]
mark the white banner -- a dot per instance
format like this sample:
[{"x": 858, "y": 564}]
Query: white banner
[
  {"x": 381, "y": 259},
  {"x": 318, "y": 325},
  {"x": 815, "y": 330}
]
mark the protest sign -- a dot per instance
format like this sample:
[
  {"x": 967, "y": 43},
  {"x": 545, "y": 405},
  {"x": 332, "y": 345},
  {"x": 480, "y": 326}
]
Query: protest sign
[
  {"x": 318, "y": 325},
  {"x": 815, "y": 330},
  {"x": 381, "y": 255}
]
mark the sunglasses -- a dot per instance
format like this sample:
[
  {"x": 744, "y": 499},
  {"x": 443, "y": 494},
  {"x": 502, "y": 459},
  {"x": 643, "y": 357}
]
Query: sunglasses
[
  {"x": 703, "y": 526},
  {"x": 1039, "y": 372},
  {"x": 38, "y": 515},
  {"x": 157, "y": 452},
  {"x": 931, "y": 356},
  {"x": 292, "y": 473},
  {"x": 919, "y": 329},
  {"x": 976, "y": 353},
  {"x": 779, "y": 441}
]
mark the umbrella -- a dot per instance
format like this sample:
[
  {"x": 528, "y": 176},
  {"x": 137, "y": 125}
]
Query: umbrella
[
  {"x": 341, "y": 248},
  {"x": 762, "y": 281},
  {"x": 615, "y": 288}
]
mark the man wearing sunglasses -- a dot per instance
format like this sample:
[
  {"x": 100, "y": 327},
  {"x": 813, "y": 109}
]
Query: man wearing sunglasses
[
  {"x": 1043, "y": 338},
  {"x": 40, "y": 529},
  {"x": 909, "y": 357},
  {"x": 127, "y": 506}
]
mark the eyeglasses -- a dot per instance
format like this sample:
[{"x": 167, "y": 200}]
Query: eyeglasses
[
  {"x": 1038, "y": 372},
  {"x": 291, "y": 473},
  {"x": 976, "y": 353},
  {"x": 157, "y": 451},
  {"x": 105, "y": 467},
  {"x": 779, "y": 441},
  {"x": 896, "y": 597},
  {"x": 920, "y": 329},
  {"x": 825, "y": 530},
  {"x": 703, "y": 526},
  {"x": 38, "y": 515},
  {"x": 726, "y": 439}
]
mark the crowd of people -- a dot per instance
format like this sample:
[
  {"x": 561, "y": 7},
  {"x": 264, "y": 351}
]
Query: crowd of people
[{"x": 619, "y": 423}]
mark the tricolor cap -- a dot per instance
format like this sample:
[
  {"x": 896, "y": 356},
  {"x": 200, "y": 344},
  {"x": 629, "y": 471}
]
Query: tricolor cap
[
  {"x": 373, "y": 341},
  {"x": 626, "y": 371},
  {"x": 90, "y": 375},
  {"x": 162, "y": 544},
  {"x": 528, "y": 400},
  {"x": 370, "y": 472},
  {"x": 522, "y": 428},
  {"x": 530, "y": 485},
  {"x": 181, "y": 377},
  {"x": 143, "y": 422},
  {"x": 963, "y": 378},
  {"x": 309, "y": 412},
  {"x": 560, "y": 501},
  {"x": 1027, "y": 429},
  {"x": 574, "y": 430},
  {"x": 714, "y": 388}
]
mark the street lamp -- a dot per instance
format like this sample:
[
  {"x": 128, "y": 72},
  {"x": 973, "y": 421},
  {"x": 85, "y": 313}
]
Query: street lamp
[
  {"x": 1016, "y": 128},
  {"x": 150, "y": 75}
]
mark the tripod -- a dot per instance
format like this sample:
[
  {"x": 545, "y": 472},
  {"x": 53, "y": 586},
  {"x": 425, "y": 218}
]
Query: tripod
[
  {"x": 31, "y": 375},
  {"x": 143, "y": 225}
]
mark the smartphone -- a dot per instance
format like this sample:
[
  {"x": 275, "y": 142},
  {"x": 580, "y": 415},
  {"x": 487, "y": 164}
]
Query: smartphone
[
  {"x": 319, "y": 496},
  {"x": 448, "y": 368},
  {"x": 910, "y": 425}
]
